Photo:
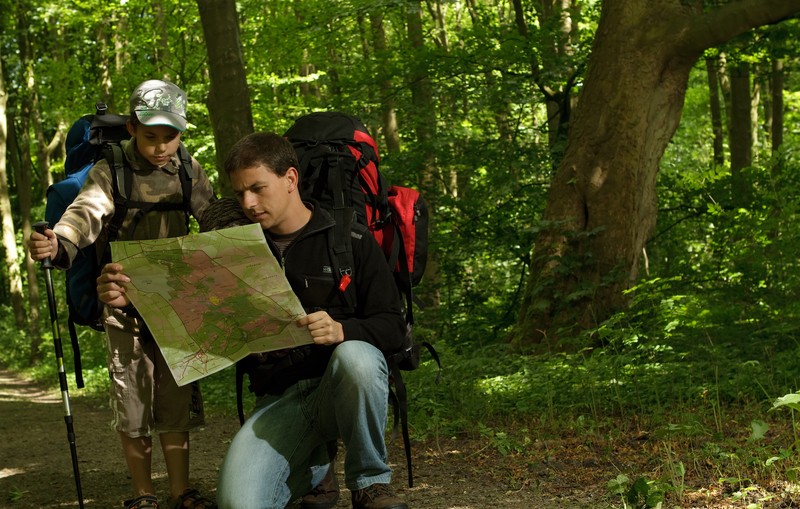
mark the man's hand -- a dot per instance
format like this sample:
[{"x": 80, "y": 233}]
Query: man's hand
[
  {"x": 43, "y": 245},
  {"x": 324, "y": 329},
  {"x": 111, "y": 286}
]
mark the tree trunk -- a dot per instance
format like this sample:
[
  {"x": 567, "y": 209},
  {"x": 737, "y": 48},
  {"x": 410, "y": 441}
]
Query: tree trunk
[
  {"x": 716, "y": 112},
  {"x": 161, "y": 40},
  {"x": 30, "y": 96},
  {"x": 776, "y": 132},
  {"x": 9, "y": 236},
  {"x": 229, "y": 96},
  {"x": 741, "y": 134},
  {"x": 601, "y": 206},
  {"x": 391, "y": 133}
]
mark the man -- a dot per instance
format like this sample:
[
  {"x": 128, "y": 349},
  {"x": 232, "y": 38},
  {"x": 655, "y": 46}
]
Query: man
[{"x": 310, "y": 396}]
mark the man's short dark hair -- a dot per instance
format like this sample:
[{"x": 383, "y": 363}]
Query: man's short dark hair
[{"x": 269, "y": 149}]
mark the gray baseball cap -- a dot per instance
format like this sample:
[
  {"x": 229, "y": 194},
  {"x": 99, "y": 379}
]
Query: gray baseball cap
[{"x": 159, "y": 102}]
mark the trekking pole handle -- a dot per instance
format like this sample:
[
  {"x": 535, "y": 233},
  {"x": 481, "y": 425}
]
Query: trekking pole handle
[{"x": 40, "y": 227}]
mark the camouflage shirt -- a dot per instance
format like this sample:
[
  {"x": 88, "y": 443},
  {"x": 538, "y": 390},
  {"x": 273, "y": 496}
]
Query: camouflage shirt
[{"x": 83, "y": 221}]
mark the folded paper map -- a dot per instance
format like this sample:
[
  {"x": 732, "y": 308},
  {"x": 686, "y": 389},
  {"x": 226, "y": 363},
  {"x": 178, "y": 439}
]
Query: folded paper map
[{"x": 212, "y": 298}]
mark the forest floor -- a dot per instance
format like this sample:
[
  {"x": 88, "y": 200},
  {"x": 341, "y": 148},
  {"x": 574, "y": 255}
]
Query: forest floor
[{"x": 454, "y": 473}]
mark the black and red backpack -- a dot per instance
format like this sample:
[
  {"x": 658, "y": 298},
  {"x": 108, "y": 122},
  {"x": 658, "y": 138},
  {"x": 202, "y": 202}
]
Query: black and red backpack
[{"x": 339, "y": 168}]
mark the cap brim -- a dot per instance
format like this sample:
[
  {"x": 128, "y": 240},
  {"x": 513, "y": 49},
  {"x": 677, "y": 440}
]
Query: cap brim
[{"x": 162, "y": 118}]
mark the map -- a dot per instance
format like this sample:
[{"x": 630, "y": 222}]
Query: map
[{"x": 212, "y": 298}]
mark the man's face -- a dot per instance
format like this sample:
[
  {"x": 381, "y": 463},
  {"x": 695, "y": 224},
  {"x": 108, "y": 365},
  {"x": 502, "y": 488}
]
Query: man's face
[
  {"x": 157, "y": 143},
  {"x": 264, "y": 196}
]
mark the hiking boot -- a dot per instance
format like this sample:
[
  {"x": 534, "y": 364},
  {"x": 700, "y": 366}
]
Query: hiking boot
[
  {"x": 325, "y": 495},
  {"x": 377, "y": 496}
]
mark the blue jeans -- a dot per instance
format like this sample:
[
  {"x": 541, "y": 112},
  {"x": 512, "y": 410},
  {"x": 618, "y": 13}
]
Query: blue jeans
[{"x": 280, "y": 453}]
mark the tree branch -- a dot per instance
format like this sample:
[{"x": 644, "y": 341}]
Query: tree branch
[{"x": 724, "y": 23}]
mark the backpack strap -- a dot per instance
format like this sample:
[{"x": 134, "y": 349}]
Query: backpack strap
[
  {"x": 76, "y": 353},
  {"x": 380, "y": 201},
  {"x": 399, "y": 401},
  {"x": 340, "y": 244},
  {"x": 240, "y": 371},
  {"x": 402, "y": 276},
  {"x": 186, "y": 174},
  {"x": 122, "y": 183}
]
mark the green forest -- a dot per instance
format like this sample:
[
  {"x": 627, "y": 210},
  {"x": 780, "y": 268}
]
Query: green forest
[{"x": 614, "y": 196}]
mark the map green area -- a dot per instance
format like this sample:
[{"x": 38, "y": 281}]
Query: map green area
[{"x": 212, "y": 298}]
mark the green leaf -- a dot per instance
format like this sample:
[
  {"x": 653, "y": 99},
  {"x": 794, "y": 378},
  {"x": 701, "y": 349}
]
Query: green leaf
[
  {"x": 790, "y": 400},
  {"x": 758, "y": 429}
]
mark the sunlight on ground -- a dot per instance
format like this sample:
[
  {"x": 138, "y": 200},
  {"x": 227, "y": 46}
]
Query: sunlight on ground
[
  {"x": 10, "y": 472},
  {"x": 13, "y": 388},
  {"x": 75, "y": 503}
]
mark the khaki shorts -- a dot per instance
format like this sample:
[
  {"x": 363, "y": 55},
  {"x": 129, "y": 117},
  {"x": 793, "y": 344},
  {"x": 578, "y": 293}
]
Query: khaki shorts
[{"x": 144, "y": 396}]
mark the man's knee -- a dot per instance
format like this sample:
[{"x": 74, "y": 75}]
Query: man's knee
[{"x": 359, "y": 360}]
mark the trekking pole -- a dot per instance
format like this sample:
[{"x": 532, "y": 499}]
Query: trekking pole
[{"x": 47, "y": 266}]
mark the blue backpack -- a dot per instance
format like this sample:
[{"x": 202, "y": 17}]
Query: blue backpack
[{"x": 91, "y": 138}]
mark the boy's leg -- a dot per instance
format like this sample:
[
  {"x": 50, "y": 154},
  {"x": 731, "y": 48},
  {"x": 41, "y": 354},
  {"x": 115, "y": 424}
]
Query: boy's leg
[
  {"x": 175, "y": 447},
  {"x": 145, "y": 398},
  {"x": 130, "y": 370},
  {"x": 137, "y": 452},
  {"x": 176, "y": 411}
]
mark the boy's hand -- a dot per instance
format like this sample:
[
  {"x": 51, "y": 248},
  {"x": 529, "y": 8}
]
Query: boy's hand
[
  {"x": 43, "y": 245},
  {"x": 111, "y": 286},
  {"x": 324, "y": 329}
]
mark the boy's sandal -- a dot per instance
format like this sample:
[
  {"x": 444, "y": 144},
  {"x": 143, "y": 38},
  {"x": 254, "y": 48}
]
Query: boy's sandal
[
  {"x": 191, "y": 499},
  {"x": 143, "y": 502}
]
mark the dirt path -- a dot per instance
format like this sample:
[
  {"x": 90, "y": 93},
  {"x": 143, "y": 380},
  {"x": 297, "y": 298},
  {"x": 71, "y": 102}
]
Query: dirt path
[{"x": 36, "y": 468}]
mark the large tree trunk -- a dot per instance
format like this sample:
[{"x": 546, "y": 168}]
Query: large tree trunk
[
  {"x": 602, "y": 201},
  {"x": 229, "y": 97}
]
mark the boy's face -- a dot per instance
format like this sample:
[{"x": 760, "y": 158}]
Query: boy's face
[
  {"x": 157, "y": 143},
  {"x": 265, "y": 196}
]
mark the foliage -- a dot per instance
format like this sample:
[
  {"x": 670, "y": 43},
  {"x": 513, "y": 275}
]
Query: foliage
[{"x": 639, "y": 494}]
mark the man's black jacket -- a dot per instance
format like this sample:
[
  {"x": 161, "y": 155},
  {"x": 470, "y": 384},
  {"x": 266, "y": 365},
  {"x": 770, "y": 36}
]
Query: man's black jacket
[{"x": 310, "y": 266}]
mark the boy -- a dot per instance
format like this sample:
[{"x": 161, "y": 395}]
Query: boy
[{"x": 144, "y": 395}]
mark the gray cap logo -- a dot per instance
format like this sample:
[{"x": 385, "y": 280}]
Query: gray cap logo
[{"x": 159, "y": 102}]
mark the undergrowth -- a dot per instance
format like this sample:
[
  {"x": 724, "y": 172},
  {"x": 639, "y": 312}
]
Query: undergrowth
[{"x": 704, "y": 402}]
